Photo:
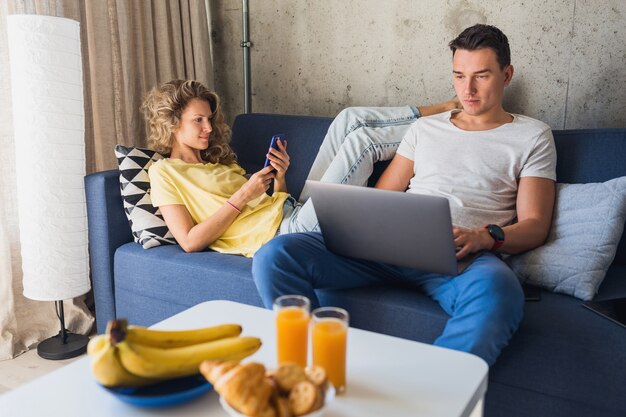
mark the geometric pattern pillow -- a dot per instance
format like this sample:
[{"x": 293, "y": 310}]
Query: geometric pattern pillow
[
  {"x": 146, "y": 222},
  {"x": 586, "y": 228}
]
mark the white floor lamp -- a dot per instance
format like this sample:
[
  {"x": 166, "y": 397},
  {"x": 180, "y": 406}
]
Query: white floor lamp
[{"x": 48, "y": 118}]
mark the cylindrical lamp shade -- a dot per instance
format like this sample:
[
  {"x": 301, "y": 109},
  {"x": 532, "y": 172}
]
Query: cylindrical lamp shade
[{"x": 48, "y": 117}]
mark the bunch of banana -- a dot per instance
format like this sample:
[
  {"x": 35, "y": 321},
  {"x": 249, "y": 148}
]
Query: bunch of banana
[
  {"x": 106, "y": 366},
  {"x": 133, "y": 356}
]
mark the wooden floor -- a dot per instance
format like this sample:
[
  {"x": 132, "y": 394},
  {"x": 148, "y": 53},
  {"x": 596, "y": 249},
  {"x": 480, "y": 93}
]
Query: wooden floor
[{"x": 25, "y": 368}]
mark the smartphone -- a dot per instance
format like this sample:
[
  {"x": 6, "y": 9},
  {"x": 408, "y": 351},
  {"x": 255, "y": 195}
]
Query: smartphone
[
  {"x": 274, "y": 144},
  {"x": 614, "y": 310}
]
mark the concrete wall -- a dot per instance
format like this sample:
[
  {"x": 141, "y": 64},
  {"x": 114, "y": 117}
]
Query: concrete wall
[{"x": 318, "y": 56}]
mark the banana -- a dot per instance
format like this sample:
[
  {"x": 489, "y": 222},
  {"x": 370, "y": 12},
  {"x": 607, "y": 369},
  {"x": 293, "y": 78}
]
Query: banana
[
  {"x": 96, "y": 344},
  {"x": 153, "y": 362},
  {"x": 107, "y": 369},
  {"x": 135, "y": 356},
  {"x": 173, "y": 339}
]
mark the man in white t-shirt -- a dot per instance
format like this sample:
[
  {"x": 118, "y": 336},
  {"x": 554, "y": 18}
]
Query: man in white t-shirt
[{"x": 498, "y": 172}]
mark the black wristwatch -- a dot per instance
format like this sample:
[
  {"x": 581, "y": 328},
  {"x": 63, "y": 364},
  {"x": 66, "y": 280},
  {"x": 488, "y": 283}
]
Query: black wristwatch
[{"x": 497, "y": 234}]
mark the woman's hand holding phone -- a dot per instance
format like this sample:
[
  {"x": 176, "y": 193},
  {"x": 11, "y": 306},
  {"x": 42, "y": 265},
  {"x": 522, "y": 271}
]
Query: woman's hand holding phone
[
  {"x": 278, "y": 158},
  {"x": 274, "y": 145},
  {"x": 258, "y": 183},
  {"x": 276, "y": 165}
]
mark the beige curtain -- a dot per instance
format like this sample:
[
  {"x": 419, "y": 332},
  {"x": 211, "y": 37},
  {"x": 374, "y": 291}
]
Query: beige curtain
[{"x": 128, "y": 46}]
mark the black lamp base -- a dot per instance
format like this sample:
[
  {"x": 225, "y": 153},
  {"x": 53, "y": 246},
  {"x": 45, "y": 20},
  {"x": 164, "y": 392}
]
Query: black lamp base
[
  {"x": 54, "y": 348},
  {"x": 64, "y": 345}
]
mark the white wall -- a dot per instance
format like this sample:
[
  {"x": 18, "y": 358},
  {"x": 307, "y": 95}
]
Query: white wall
[{"x": 318, "y": 56}]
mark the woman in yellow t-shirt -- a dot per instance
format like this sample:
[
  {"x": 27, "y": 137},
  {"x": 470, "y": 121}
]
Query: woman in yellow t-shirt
[{"x": 202, "y": 192}]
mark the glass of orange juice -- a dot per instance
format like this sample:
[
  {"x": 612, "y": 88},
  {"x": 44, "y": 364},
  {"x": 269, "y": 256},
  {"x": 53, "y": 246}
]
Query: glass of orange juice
[
  {"x": 292, "y": 328},
  {"x": 330, "y": 336}
]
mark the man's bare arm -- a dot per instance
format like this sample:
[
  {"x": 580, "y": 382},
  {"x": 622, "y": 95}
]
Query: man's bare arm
[
  {"x": 440, "y": 107},
  {"x": 397, "y": 175},
  {"x": 535, "y": 202}
]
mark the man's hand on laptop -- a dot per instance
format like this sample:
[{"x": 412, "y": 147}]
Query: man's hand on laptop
[{"x": 470, "y": 241}]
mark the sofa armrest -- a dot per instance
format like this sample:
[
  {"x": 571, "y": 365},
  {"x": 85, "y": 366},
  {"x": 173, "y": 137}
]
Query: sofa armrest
[{"x": 108, "y": 230}]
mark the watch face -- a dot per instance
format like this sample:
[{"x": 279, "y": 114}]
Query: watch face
[{"x": 496, "y": 232}]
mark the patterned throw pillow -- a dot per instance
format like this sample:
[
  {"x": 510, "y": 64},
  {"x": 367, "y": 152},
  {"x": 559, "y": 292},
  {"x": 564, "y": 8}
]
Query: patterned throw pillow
[{"x": 146, "y": 222}]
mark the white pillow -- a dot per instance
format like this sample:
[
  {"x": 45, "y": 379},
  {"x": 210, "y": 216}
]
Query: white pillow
[{"x": 586, "y": 229}]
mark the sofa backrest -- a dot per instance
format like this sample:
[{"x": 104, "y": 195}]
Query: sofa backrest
[
  {"x": 592, "y": 155},
  {"x": 251, "y": 139},
  {"x": 584, "y": 155}
]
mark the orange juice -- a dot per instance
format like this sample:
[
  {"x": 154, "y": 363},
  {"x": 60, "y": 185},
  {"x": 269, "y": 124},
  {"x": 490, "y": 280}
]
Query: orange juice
[
  {"x": 292, "y": 330},
  {"x": 329, "y": 349}
]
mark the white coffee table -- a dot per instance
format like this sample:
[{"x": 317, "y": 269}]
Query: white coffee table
[{"x": 387, "y": 376}]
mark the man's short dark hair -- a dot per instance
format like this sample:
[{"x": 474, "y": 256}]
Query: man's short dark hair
[{"x": 484, "y": 36}]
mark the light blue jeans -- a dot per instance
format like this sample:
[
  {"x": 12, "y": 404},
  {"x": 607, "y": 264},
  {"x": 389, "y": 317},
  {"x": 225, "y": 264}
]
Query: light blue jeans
[
  {"x": 356, "y": 139},
  {"x": 485, "y": 303}
]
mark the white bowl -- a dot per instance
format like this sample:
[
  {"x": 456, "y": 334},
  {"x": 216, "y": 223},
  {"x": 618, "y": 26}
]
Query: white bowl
[{"x": 330, "y": 396}]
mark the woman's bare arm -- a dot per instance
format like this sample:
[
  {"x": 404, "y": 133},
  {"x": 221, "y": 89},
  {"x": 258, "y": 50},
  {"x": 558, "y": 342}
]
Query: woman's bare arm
[{"x": 197, "y": 237}]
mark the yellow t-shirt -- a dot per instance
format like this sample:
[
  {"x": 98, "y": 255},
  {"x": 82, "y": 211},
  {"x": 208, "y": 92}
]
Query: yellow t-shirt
[{"x": 204, "y": 188}]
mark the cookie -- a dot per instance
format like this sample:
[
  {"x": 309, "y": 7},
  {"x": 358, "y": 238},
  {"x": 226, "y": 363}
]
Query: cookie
[
  {"x": 304, "y": 398},
  {"x": 288, "y": 375}
]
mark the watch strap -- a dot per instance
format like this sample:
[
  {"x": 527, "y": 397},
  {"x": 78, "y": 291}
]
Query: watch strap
[{"x": 496, "y": 245}]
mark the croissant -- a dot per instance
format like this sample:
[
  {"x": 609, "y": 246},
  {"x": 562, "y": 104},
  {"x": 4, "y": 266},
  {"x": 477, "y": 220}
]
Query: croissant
[
  {"x": 213, "y": 370},
  {"x": 245, "y": 388}
]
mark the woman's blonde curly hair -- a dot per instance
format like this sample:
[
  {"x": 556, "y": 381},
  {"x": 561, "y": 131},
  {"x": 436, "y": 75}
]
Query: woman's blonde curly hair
[{"x": 163, "y": 107}]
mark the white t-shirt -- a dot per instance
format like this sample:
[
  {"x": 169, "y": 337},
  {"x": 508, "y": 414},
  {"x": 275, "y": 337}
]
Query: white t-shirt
[{"x": 477, "y": 171}]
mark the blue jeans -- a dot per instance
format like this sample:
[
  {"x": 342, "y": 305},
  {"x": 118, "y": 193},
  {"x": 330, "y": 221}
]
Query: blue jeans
[
  {"x": 485, "y": 302},
  {"x": 357, "y": 138}
]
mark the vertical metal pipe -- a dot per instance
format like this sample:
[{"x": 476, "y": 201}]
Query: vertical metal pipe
[
  {"x": 246, "y": 44},
  {"x": 62, "y": 320}
]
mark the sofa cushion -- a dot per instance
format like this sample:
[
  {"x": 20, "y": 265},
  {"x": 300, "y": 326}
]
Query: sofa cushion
[
  {"x": 146, "y": 222},
  {"x": 586, "y": 228},
  {"x": 558, "y": 342},
  {"x": 391, "y": 309},
  {"x": 565, "y": 351},
  {"x": 155, "y": 284}
]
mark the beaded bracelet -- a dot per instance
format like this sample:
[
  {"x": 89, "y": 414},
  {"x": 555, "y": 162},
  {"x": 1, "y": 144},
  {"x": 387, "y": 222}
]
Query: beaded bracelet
[{"x": 233, "y": 206}]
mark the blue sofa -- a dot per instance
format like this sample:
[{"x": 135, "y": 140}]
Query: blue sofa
[{"x": 564, "y": 360}]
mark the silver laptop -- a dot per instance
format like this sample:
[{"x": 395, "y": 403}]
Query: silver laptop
[{"x": 386, "y": 226}]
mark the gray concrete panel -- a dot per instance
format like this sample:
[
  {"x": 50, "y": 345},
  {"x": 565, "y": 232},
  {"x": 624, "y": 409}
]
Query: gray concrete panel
[
  {"x": 317, "y": 57},
  {"x": 597, "y": 72},
  {"x": 226, "y": 34}
]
